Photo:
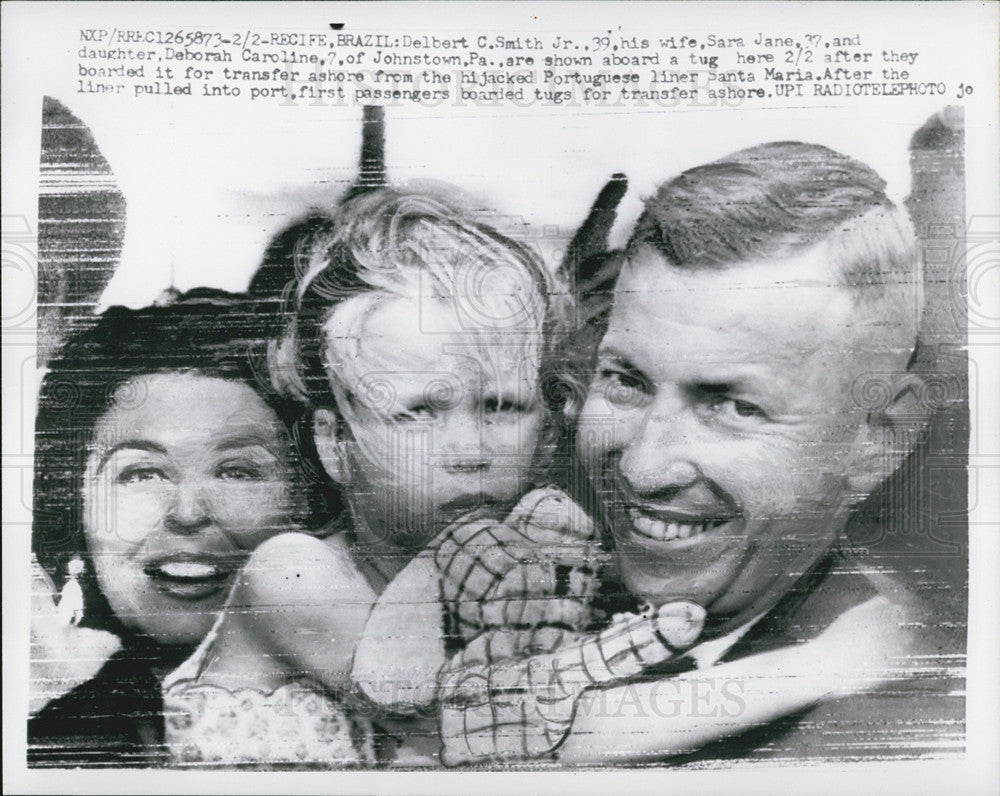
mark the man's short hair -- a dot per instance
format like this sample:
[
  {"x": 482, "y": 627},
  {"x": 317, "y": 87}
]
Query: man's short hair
[{"x": 779, "y": 199}]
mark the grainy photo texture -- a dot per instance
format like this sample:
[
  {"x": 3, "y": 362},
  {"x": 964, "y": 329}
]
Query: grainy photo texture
[{"x": 373, "y": 469}]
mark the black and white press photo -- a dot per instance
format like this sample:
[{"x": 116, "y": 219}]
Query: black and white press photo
[{"x": 404, "y": 399}]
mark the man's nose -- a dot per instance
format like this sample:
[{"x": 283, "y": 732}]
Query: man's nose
[
  {"x": 660, "y": 457},
  {"x": 189, "y": 511}
]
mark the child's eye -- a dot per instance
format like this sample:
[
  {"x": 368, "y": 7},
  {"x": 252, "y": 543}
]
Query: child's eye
[
  {"x": 415, "y": 414},
  {"x": 495, "y": 403},
  {"x": 137, "y": 474}
]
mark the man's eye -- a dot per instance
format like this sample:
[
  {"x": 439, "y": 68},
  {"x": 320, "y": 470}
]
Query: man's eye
[
  {"x": 622, "y": 387},
  {"x": 239, "y": 472},
  {"x": 738, "y": 408},
  {"x": 747, "y": 409},
  {"x": 141, "y": 474}
]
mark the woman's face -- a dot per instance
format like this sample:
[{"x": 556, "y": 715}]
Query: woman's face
[{"x": 186, "y": 475}]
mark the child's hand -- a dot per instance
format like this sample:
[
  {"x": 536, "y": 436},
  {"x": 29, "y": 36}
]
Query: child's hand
[
  {"x": 538, "y": 566},
  {"x": 498, "y": 704},
  {"x": 63, "y": 655}
]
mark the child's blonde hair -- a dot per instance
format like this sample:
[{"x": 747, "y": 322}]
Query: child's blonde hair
[{"x": 390, "y": 244}]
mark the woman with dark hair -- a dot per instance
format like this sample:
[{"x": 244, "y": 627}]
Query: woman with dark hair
[{"x": 160, "y": 464}]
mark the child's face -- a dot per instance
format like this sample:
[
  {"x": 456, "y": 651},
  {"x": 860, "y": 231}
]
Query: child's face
[{"x": 441, "y": 417}]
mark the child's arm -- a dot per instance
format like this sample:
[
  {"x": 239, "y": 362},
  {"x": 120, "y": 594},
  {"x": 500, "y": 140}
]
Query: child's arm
[{"x": 298, "y": 609}]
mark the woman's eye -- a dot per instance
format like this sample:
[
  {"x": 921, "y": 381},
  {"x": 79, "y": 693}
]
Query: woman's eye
[
  {"x": 239, "y": 472},
  {"x": 141, "y": 474}
]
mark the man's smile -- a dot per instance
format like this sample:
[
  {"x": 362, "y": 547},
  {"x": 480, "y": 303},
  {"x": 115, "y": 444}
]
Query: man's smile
[{"x": 667, "y": 526}]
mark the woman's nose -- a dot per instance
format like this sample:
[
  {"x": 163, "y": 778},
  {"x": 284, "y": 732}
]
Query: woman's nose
[{"x": 189, "y": 511}]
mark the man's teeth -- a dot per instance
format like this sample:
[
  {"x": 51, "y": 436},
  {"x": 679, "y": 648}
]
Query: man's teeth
[
  {"x": 665, "y": 531},
  {"x": 187, "y": 569}
]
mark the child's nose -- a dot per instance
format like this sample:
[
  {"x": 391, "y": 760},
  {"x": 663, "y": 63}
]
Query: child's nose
[{"x": 464, "y": 447}]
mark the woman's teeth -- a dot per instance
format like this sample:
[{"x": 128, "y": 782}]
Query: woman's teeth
[
  {"x": 663, "y": 531},
  {"x": 188, "y": 569}
]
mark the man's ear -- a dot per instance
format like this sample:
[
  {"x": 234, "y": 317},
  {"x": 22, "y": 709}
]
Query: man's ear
[
  {"x": 329, "y": 446},
  {"x": 573, "y": 404},
  {"x": 568, "y": 391},
  {"x": 889, "y": 435}
]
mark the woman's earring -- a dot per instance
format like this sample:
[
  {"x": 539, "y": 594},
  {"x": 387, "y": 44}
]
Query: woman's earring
[
  {"x": 331, "y": 449},
  {"x": 343, "y": 454},
  {"x": 71, "y": 596}
]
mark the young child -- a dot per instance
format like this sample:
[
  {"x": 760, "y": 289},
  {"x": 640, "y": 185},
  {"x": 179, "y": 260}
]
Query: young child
[{"x": 415, "y": 334}]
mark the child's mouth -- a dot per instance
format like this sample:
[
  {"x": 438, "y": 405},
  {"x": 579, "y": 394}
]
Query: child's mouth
[{"x": 451, "y": 510}]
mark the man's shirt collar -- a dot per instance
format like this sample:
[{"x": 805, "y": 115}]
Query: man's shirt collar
[{"x": 709, "y": 653}]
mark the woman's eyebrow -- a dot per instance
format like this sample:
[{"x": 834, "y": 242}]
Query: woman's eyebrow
[
  {"x": 247, "y": 440},
  {"x": 132, "y": 444}
]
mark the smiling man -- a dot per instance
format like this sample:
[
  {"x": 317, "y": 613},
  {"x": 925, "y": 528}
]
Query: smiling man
[
  {"x": 760, "y": 296},
  {"x": 752, "y": 386}
]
